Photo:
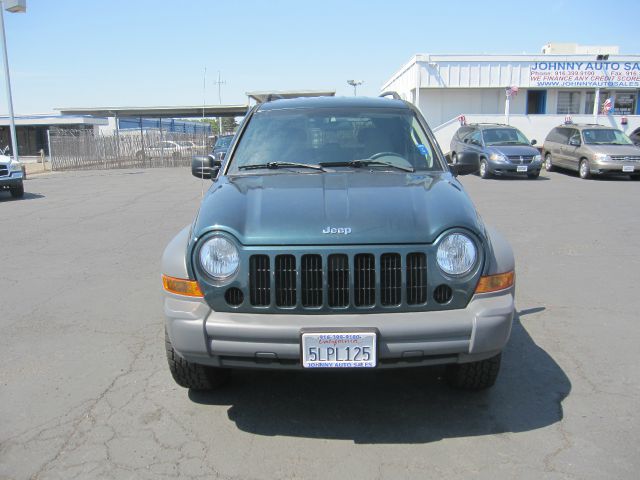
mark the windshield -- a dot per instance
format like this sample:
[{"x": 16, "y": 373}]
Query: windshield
[
  {"x": 384, "y": 139},
  {"x": 504, "y": 136},
  {"x": 223, "y": 142},
  {"x": 605, "y": 136}
]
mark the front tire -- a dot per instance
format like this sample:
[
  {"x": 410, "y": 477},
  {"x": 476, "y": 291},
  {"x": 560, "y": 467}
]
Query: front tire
[
  {"x": 584, "y": 170},
  {"x": 484, "y": 169},
  {"x": 454, "y": 158},
  {"x": 17, "y": 191},
  {"x": 193, "y": 375},
  {"x": 548, "y": 163},
  {"x": 474, "y": 375}
]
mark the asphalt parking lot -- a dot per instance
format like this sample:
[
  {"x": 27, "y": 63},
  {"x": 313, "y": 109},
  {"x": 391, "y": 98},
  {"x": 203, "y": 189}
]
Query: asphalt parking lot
[{"x": 85, "y": 391}]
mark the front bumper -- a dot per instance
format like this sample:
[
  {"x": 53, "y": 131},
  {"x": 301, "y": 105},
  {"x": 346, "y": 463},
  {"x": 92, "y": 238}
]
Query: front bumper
[
  {"x": 223, "y": 339},
  {"x": 614, "y": 168},
  {"x": 502, "y": 168},
  {"x": 12, "y": 180}
]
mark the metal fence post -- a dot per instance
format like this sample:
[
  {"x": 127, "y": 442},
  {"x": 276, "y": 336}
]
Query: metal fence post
[{"x": 49, "y": 147}]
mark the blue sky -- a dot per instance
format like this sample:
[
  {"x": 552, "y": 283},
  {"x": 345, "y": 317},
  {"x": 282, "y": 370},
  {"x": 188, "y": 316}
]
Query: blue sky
[{"x": 81, "y": 53}]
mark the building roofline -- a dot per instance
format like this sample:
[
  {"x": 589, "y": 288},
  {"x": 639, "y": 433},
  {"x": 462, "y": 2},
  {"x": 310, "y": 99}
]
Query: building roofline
[{"x": 193, "y": 111}]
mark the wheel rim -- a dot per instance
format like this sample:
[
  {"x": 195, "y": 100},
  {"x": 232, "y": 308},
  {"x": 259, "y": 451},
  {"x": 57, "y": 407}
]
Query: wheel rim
[
  {"x": 547, "y": 162},
  {"x": 454, "y": 159},
  {"x": 583, "y": 169},
  {"x": 483, "y": 169}
]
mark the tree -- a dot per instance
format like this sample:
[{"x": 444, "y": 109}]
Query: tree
[{"x": 229, "y": 124}]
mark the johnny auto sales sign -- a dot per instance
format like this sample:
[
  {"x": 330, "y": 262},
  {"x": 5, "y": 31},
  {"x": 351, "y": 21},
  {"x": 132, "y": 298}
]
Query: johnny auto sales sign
[{"x": 585, "y": 74}]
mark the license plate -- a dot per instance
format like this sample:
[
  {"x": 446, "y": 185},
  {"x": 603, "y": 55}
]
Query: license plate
[
  {"x": 627, "y": 168},
  {"x": 339, "y": 350},
  {"x": 521, "y": 168}
]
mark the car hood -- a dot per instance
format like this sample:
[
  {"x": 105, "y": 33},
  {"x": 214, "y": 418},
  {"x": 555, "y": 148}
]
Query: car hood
[
  {"x": 509, "y": 150},
  {"x": 354, "y": 207},
  {"x": 630, "y": 150}
]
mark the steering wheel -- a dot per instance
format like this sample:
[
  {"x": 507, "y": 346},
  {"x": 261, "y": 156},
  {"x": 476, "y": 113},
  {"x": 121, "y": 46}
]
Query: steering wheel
[{"x": 376, "y": 156}]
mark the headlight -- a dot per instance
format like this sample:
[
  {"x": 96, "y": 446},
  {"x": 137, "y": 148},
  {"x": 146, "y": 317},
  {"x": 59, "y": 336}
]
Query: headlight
[
  {"x": 457, "y": 254},
  {"x": 15, "y": 167},
  {"x": 219, "y": 258},
  {"x": 537, "y": 158},
  {"x": 602, "y": 157},
  {"x": 497, "y": 157}
]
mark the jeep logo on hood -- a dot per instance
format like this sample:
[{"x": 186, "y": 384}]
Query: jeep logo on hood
[{"x": 342, "y": 231}]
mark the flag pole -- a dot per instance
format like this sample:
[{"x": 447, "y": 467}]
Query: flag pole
[{"x": 596, "y": 106}]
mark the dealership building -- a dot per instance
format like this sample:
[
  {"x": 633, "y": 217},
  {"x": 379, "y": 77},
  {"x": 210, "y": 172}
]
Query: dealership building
[{"x": 566, "y": 82}]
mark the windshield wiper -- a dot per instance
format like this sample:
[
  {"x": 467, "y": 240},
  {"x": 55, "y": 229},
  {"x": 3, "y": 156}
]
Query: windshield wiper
[
  {"x": 364, "y": 162},
  {"x": 274, "y": 165}
]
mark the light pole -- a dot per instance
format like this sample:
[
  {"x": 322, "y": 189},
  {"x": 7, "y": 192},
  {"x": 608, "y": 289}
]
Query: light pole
[
  {"x": 354, "y": 84},
  {"x": 13, "y": 6}
]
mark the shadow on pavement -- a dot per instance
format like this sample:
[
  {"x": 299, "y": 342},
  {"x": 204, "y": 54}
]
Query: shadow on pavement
[
  {"x": 6, "y": 196},
  {"x": 397, "y": 406}
]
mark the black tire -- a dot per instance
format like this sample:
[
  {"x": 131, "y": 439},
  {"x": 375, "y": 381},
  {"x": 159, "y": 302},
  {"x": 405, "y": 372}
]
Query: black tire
[
  {"x": 454, "y": 158},
  {"x": 533, "y": 175},
  {"x": 484, "y": 169},
  {"x": 474, "y": 375},
  {"x": 583, "y": 169},
  {"x": 548, "y": 163},
  {"x": 17, "y": 191},
  {"x": 193, "y": 375}
]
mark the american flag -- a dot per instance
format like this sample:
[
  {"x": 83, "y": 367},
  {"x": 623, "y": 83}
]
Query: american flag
[
  {"x": 607, "y": 105},
  {"x": 512, "y": 91}
]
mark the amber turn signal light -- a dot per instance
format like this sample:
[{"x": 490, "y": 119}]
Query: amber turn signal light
[
  {"x": 493, "y": 283},
  {"x": 180, "y": 286}
]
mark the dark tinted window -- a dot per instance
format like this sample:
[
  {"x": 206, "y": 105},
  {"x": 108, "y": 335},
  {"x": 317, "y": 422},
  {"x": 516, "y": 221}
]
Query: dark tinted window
[
  {"x": 559, "y": 135},
  {"x": 476, "y": 138},
  {"x": 504, "y": 136},
  {"x": 224, "y": 142},
  {"x": 602, "y": 136},
  {"x": 463, "y": 132}
]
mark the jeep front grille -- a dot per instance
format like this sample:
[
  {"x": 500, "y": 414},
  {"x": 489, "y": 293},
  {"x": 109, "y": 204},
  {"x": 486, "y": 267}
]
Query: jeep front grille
[
  {"x": 4, "y": 170},
  {"x": 260, "y": 279},
  {"x": 338, "y": 281}
]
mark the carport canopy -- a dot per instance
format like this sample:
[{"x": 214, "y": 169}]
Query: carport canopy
[
  {"x": 161, "y": 112},
  {"x": 267, "y": 95}
]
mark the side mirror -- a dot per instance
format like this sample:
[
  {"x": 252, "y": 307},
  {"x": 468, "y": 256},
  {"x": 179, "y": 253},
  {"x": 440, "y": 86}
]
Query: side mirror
[
  {"x": 574, "y": 143},
  {"x": 534, "y": 141},
  {"x": 204, "y": 167}
]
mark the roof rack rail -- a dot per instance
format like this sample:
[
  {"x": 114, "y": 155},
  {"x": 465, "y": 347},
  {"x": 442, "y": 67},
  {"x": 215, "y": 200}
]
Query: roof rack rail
[{"x": 390, "y": 93}]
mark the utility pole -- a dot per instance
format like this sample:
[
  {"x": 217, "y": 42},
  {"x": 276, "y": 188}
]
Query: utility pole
[{"x": 220, "y": 82}]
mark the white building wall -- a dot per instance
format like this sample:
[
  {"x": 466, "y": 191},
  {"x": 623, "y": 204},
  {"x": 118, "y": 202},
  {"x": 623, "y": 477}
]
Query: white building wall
[{"x": 441, "y": 105}]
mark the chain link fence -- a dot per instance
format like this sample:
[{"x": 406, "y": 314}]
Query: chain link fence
[{"x": 86, "y": 150}]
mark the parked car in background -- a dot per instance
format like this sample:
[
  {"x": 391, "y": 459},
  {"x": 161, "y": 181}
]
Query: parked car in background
[
  {"x": 591, "y": 150},
  {"x": 221, "y": 146},
  {"x": 496, "y": 149},
  {"x": 11, "y": 174},
  {"x": 336, "y": 236},
  {"x": 168, "y": 148}
]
